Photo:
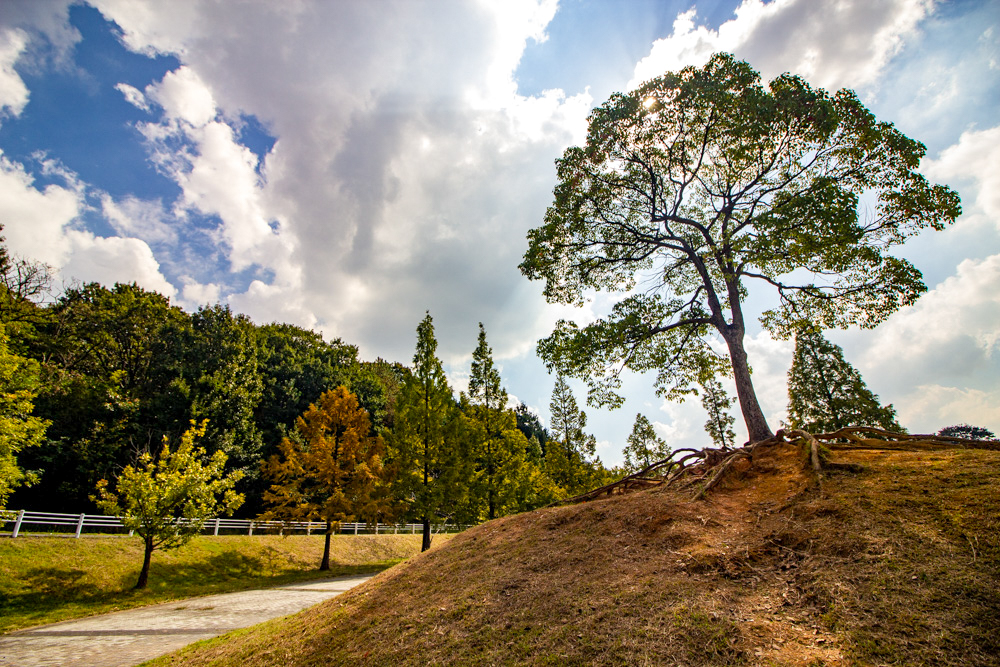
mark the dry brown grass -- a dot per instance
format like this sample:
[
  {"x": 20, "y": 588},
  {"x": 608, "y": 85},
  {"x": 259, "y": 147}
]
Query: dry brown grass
[{"x": 896, "y": 561}]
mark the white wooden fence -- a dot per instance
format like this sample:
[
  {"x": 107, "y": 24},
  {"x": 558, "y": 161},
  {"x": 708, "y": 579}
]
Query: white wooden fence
[{"x": 64, "y": 523}]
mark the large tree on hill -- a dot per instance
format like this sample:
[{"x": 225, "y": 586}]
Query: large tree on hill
[
  {"x": 702, "y": 182},
  {"x": 826, "y": 393}
]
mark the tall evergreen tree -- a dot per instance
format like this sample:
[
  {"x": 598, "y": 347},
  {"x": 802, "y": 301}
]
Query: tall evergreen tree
[
  {"x": 826, "y": 393},
  {"x": 489, "y": 403},
  {"x": 644, "y": 446},
  {"x": 431, "y": 456},
  {"x": 569, "y": 447}
]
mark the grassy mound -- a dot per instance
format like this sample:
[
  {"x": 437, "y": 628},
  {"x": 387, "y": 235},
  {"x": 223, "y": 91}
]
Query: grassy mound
[
  {"x": 46, "y": 579},
  {"x": 895, "y": 560}
]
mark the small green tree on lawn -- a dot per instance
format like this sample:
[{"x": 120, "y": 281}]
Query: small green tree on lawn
[{"x": 167, "y": 500}]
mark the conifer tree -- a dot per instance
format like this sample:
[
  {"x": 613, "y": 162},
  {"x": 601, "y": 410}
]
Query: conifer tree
[
  {"x": 717, "y": 404},
  {"x": 569, "y": 447},
  {"x": 430, "y": 439},
  {"x": 644, "y": 446},
  {"x": 826, "y": 393},
  {"x": 489, "y": 410},
  {"x": 330, "y": 469}
]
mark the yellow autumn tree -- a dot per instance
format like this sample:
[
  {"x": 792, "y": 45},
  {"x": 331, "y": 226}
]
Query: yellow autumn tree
[{"x": 331, "y": 468}]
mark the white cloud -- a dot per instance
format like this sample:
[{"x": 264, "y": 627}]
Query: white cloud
[
  {"x": 931, "y": 407},
  {"x": 954, "y": 328},
  {"x": 35, "y": 220},
  {"x": 142, "y": 219},
  {"x": 832, "y": 44},
  {"x": 133, "y": 96},
  {"x": 974, "y": 159},
  {"x": 195, "y": 294},
  {"x": 43, "y": 225},
  {"x": 114, "y": 260},
  {"x": 13, "y": 92},
  {"x": 183, "y": 96},
  {"x": 399, "y": 137}
]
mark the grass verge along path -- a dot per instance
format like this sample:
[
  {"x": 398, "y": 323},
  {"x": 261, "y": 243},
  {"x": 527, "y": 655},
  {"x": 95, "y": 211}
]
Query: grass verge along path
[{"x": 49, "y": 579}]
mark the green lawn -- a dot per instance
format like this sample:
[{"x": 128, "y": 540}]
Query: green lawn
[{"x": 48, "y": 579}]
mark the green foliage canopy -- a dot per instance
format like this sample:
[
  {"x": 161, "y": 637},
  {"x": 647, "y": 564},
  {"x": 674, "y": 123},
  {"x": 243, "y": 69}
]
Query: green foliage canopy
[
  {"x": 701, "y": 182},
  {"x": 644, "y": 447},
  {"x": 166, "y": 501},
  {"x": 19, "y": 428}
]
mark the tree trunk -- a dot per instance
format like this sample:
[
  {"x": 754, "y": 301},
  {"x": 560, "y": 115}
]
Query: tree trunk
[
  {"x": 427, "y": 534},
  {"x": 144, "y": 573},
  {"x": 325, "y": 565},
  {"x": 753, "y": 416}
]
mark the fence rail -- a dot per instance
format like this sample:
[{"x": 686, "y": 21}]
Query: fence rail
[{"x": 24, "y": 521}]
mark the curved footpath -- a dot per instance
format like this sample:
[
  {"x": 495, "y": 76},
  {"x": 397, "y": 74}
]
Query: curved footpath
[{"x": 133, "y": 636}]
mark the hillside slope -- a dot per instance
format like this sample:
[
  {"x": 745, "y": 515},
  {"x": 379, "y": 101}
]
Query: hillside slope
[{"x": 895, "y": 560}]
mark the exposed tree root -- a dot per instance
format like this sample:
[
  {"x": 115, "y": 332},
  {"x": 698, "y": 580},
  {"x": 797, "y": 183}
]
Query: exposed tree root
[{"x": 691, "y": 466}]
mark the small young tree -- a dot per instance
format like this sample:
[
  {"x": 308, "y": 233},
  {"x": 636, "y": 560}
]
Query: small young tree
[
  {"x": 717, "y": 404},
  {"x": 330, "y": 470},
  {"x": 644, "y": 446},
  {"x": 826, "y": 393},
  {"x": 166, "y": 501}
]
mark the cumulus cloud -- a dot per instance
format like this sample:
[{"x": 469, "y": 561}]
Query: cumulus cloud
[
  {"x": 43, "y": 225},
  {"x": 399, "y": 139},
  {"x": 832, "y": 44},
  {"x": 952, "y": 330},
  {"x": 35, "y": 220},
  {"x": 13, "y": 92},
  {"x": 975, "y": 159},
  {"x": 110, "y": 260}
]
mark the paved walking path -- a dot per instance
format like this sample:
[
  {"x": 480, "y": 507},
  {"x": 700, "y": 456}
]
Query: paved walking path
[{"x": 126, "y": 638}]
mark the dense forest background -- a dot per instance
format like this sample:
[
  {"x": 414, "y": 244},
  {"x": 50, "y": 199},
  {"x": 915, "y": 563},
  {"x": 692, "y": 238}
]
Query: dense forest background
[{"x": 114, "y": 372}]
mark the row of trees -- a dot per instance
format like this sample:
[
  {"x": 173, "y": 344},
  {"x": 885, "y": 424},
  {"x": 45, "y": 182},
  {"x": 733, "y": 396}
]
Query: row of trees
[{"x": 447, "y": 458}]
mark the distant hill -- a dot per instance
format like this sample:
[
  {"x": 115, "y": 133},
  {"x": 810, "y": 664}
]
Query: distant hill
[{"x": 894, "y": 560}]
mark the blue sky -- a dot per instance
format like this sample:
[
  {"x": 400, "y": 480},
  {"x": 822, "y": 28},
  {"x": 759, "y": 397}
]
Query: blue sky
[{"x": 346, "y": 166}]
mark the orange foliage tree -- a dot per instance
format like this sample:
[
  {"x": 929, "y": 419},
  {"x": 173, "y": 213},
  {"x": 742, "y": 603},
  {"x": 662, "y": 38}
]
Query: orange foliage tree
[{"x": 330, "y": 469}]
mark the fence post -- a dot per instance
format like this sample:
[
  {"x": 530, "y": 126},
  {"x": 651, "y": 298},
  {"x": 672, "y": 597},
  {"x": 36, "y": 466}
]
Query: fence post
[
  {"x": 79, "y": 525},
  {"x": 17, "y": 524},
  {"x": 355, "y": 527},
  {"x": 216, "y": 531},
  {"x": 250, "y": 532}
]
